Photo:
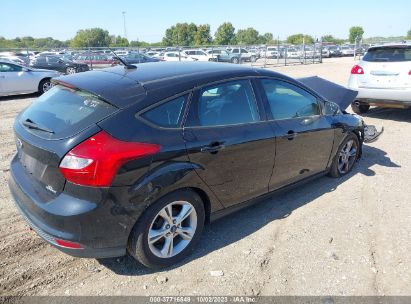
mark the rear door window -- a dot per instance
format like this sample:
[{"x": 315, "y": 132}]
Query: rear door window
[
  {"x": 388, "y": 54},
  {"x": 229, "y": 103},
  {"x": 62, "y": 112}
]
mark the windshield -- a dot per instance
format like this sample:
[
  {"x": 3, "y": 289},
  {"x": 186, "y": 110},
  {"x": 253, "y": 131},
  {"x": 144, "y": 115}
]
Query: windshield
[
  {"x": 65, "y": 112},
  {"x": 389, "y": 54}
]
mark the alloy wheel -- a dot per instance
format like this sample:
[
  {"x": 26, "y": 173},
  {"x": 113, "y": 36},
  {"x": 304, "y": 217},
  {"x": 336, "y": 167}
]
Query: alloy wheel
[
  {"x": 47, "y": 86},
  {"x": 172, "y": 229},
  {"x": 347, "y": 156}
]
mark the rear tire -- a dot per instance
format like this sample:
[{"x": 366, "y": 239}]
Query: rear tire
[
  {"x": 360, "y": 109},
  {"x": 161, "y": 225},
  {"x": 235, "y": 60},
  {"x": 346, "y": 156},
  {"x": 45, "y": 85}
]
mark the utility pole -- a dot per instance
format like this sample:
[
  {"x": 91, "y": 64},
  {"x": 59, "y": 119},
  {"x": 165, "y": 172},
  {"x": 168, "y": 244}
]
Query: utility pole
[{"x": 124, "y": 24}]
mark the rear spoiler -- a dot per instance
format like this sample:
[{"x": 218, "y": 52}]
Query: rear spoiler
[{"x": 330, "y": 91}]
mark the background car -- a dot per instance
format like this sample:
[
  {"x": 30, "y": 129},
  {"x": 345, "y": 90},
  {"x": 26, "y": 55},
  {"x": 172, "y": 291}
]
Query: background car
[
  {"x": 176, "y": 56},
  {"x": 244, "y": 54},
  {"x": 17, "y": 79},
  {"x": 382, "y": 78},
  {"x": 96, "y": 60},
  {"x": 347, "y": 50},
  {"x": 197, "y": 54},
  {"x": 58, "y": 64},
  {"x": 133, "y": 58},
  {"x": 334, "y": 51},
  {"x": 225, "y": 56}
]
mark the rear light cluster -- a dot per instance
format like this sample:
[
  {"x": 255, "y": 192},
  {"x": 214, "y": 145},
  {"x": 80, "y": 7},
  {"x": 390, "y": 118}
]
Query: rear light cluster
[
  {"x": 409, "y": 73},
  {"x": 95, "y": 161},
  {"x": 357, "y": 70}
]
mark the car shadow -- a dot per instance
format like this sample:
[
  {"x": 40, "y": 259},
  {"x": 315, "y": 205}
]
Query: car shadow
[
  {"x": 395, "y": 114},
  {"x": 18, "y": 97},
  {"x": 240, "y": 224}
]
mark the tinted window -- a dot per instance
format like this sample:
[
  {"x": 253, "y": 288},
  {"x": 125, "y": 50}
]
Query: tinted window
[
  {"x": 388, "y": 54},
  {"x": 66, "y": 111},
  {"x": 6, "y": 67},
  {"x": 225, "y": 104},
  {"x": 168, "y": 114},
  {"x": 289, "y": 101}
]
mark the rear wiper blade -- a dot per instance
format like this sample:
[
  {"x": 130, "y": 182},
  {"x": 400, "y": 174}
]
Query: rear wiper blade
[{"x": 32, "y": 125}]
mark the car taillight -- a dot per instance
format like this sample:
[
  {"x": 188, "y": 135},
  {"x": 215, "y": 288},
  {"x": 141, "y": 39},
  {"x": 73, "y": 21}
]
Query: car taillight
[
  {"x": 95, "y": 161},
  {"x": 357, "y": 70},
  {"x": 409, "y": 73}
]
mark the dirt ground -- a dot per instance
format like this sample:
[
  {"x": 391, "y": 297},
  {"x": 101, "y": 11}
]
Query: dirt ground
[{"x": 349, "y": 236}]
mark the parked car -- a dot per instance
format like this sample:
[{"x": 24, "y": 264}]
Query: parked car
[
  {"x": 225, "y": 56},
  {"x": 96, "y": 59},
  {"x": 244, "y": 54},
  {"x": 271, "y": 52},
  {"x": 103, "y": 165},
  {"x": 151, "y": 53},
  {"x": 58, "y": 64},
  {"x": 18, "y": 79},
  {"x": 176, "y": 56},
  {"x": 334, "y": 51},
  {"x": 13, "y": 59},
  {"x": 198, "y": 54},
  {"x": 347, "y": 50},
  {"x": 382, "y": 78},
  {"x": 293, "y": 53},
  {"x": 133, "y": 58}
]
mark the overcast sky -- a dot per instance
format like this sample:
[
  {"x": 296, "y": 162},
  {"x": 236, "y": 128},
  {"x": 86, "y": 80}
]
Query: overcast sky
[{"x": 147, "y": 20}]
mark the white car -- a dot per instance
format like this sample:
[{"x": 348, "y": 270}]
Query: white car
[
  {"x": 382, "y": 78},
  {"x": 293, "y": 53},
  {"x": 197, "y": 54},
  {"x": 152, "y": 54},
  {"x": 176, "y": 56},
  {"x": 347, "y": 50},
  {"x": 17, "y": 79}
]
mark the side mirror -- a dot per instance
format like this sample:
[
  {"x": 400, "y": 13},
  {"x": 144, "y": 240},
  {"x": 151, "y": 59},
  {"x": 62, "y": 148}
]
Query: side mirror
[{"x": 331, "y": 108}]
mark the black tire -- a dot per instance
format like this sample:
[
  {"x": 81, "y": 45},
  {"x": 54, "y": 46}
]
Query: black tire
[
  {"x": 235, "y": 60},
  {"x": 138, "y": 245},
  {"x": 253, "y": 59},
  {"x": 44, "y": 85},
  {"x": 335, "y": 170},
  {"x": 70, "y": 70},
  {"x": 360, "y": 108}
]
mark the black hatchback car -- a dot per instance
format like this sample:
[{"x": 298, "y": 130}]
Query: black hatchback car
[
  {"x": 59, "y": 64},
  {"x": 138, "y": 160}
]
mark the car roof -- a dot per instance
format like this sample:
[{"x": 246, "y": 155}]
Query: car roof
[
  {"x": 158, "y": 80},
  {"x": 390, "y": 45}
]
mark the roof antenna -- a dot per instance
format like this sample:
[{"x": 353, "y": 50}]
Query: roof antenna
[{"x": 126, "y": 65}]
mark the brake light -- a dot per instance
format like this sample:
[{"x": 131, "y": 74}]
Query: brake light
[
  {"x": 95, "y": 161},
  {"x": 409, "y": 73},
  {"x": 357, "y": 70}
]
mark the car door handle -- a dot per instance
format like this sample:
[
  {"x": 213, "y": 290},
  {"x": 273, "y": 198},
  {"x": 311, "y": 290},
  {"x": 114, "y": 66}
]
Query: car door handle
[
  {"x": 290, "y": 135},
  {"x": 212, "y": 148}
]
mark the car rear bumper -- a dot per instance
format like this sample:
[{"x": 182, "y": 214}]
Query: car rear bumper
[
  {"x": 382, "y": 96},
  {"x": 101, "y": 230}
]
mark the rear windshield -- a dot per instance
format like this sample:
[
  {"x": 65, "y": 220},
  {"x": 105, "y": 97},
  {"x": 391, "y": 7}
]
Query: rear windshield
[
  {"x": 388, "y": 54},
  {"x": 62, "y": 112}
]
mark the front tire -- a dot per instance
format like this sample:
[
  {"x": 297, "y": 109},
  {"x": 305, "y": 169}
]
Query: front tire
[
  {"x": 168, "y": 230},
  {"x": 253, "y": 59},
  {"x": 71, "y": 70},
  {"x": 346, "y": 156},
  {"x": 360, "y": 108}
]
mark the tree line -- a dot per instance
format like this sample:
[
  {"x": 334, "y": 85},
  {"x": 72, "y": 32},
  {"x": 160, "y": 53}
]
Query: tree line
[{"x": 180, "y": 34}]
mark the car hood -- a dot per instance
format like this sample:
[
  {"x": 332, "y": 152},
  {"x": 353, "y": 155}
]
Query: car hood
[{"x": 330, "y": 91}]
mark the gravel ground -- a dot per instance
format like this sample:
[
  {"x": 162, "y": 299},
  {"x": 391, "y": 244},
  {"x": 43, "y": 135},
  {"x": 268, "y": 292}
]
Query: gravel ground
[{"x": 349, "y": 236}]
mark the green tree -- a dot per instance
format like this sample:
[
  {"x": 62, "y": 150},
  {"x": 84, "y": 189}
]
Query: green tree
[
  {"x": 332, "y": 39},
  {"x": 248, "y": 36},
  {"x": 118, "y": 41},
  {"x": 300, "y": 38},
  {"x": 202, "y": 36},
  {"x": 356, "y": 32},
  {"x": 182, "y": 34},
  {"x": 95, "y": 37},
  {"x": 225, "y": 34},
  {"x": 409, "y": 34}
]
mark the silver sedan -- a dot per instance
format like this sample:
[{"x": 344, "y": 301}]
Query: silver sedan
[{"x": 17, "y": 79}]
